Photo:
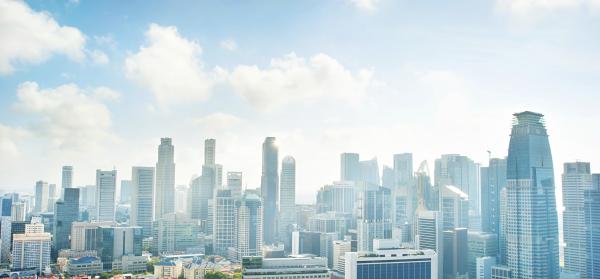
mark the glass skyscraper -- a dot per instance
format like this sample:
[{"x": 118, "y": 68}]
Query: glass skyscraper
[
  {"x": 531, "y": 228},
  {"x": 270, "y": 188}
]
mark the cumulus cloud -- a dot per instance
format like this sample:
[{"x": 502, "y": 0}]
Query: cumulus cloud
[
  {"x": 293, "y": 78},
  {"x": 218, "y": 122},
  {"x": 106, "y": 94},
  {"x": 31, "y": 37},
  {"x": 228, "y": 44},
  {"x": 99, "y": 57},
  {"x": 9, "y": 137},
  {"x": 366, "y": 5},
  {"x": 169, "y": 66},
  {"x": 67, "y": 116}
]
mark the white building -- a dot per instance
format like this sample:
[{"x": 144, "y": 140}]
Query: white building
[
  {"x": 248, "y": 226},
  {"x": 106, "y": 182},
  {"x": 454, "y": 204},
  {"x": 142, "y": 199},
  {"x": 32, "y": 249},
  {"x": 287, "y": 198},
  {"x": 391, "y": 263},
  {"x": 234, "y": 184},
  {"x": 340, "y": 247},
  {"x": 224, "y": 222},
  {"x": 67, "y": 178},
  {"x": 42, "y": 195},
  {"x": 300, "y": 267},
  {"x": 429, "y": 233},
  {"x": 484, "y": 267},
  {"x": 165, "y": 179}
]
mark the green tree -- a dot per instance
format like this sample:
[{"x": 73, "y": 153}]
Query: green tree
[{"x": 215, "y": 275}]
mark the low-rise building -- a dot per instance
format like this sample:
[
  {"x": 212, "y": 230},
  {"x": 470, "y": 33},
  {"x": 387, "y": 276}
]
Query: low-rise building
[
  {"x": 168, "y": 269},
  {"x": 84, "y": 266},
  {"x": 298, "y": 267}
]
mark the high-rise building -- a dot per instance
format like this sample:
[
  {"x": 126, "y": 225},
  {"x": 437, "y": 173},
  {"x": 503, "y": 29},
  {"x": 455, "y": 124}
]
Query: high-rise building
[
  {"x": 270, "y": 189},
  {"x": 223, "y": 225},
  {"x": 403, "y": 169},
  {"x": 248, "y": 226},
  {"x": 429, "y": 233},
  {"x": 67, "y": 178},
  {"x": 210, "y": 147},
  {"x": 349, "y": 167},
  {"x": 5, "y": 239},
  {"x": 83, "y": 234},
  {"x": 42, "y": 194},
  {"x": 125, "y": 192},
  {"x": 6, "y": 205},
  {"x": 369, "y": 171},
  {"x": 484, "y": 267},
  {"x": 115, "y": 242},
  {"x": 66, "y": 211},
  {"x": 164, "y": 199},
  {"x": 105, "y": 195},
  {"x": 18, "y": 212},
  {"x": 456, "y": 251},
  {"x": 142, "y": 199},
  {"x": 462, "y": 172},
  {"x": 195, "y": 198},
  {"x": 287, "y": 199},
  {"x": 234, "y": 184},
  {"x": 581, "y": 220},
  {"x": 387, "y": 177},
  {"x": 493, "y": 180},
  {"x": 392, "y": 263},
  {"x": 314, "y": 243},
  {"x": 374, "y": 213},
  {"x": 481, "y": 244},
  {"x": 340, "y": 248},
  {"x": 298, "y": 267},
  {"x": 31, "y": 250},
  {"x": 175, "y": 232},
  {"x": 531, "y": 218},
  {"x": 338, "y": 197},
  {"x": 181, "y": 198},
  {"x": 454, "y": 204},
  {"x": 53, "y": 197}
]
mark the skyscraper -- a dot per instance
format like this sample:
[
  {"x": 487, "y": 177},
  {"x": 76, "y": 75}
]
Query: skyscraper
[
  {"x": 125, "y": 192},
  {"x": 531, "y": 218},
  {"x": 403, "y": 169},
  {"x": 142, "y": 202},
  {"x": 223, "y": 226},
  {"x": 581, "y": 220},
  {"x": 234, "y": 183},
  {"x": 248, "y": 226},
  {"x": 210, "y": 146},
  {"x": 174, "y": 232},
  {"x": 32, "y": 248},
  {"x": 349, "y": 167},
  {"x": 454, "y": 204},
  {"x": 105, "y": 195},
  {"x": 42, "y": 194},
  {"x": 493, "y": 179},
  {"x": 67, "y": 177},
  {"x": 462, "y": 172},
  {"x": 456, "y": 252},
  {"x": 115, "y": 242},
  {"x": 165, "y": 179},
  {"x": 369, "y": 171},
  {"x": 287, "y": 198},
  {"x": 66, "y": 211},
  {"x": 269, "y": 188},
  {"x": 374, "y": 213}
]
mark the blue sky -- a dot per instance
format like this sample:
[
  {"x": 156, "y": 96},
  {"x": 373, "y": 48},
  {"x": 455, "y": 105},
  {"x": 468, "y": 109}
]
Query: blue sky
[{"x": 95, "y": 84}]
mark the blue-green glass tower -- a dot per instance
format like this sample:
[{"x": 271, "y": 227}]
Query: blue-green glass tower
[{"x": 531, "y": 228}]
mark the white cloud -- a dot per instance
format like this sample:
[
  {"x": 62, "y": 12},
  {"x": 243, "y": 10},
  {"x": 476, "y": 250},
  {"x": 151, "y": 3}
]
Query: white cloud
[
  {"x": 99, "y": 57},
  {"x": 228, "y": 44},
  {"x": 218, "y": 122},
  {"x": 32, "y": 37},
  {"x": 366, "y": 5},
  {"x": 169, "y": 66},
  {"x": 66, "y": 115},
  {"x": 9, "y": 137},
  {"x": 528, "y": 10},
  {"x": 105, "y": 93},
  {"x": 293, "y": 78}
]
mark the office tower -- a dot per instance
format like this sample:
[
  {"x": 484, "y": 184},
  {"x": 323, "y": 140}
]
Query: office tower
[
  {"x": 67, "y": 178},
  {"x": 349, "y": 167},
  {"x": 173, "y": 233},
  {"x": 374, "y": 215},
  {"x": 113, "y": 243},
  {"x": 195, "y": 201},
  {"x": 404, "y": 200},
  {"x": 430, "y": 193},
  {"x": 462, "y": 172},
  {"x": 298, "y": 267},
  {"x": 223, "y": 226},
  {"x": 337, "y": 197},
  {"x": 126, "y": 192},
  {"x": 248, "y": 226},
  {"x": 66, "y": 211},
  {"x": 269, "y": 189},
  {"x": 106, "y": 182},
  {"x": 392, "y": 263},
  {"x": 429, "y": 233},
  {"x": 6, "y": 205},
  {"x": 53, "y": 197},
  {"x": 210, "y": 146},
  {"x": 388, "y": 177},
  {"x": 18, "y": 212},
  {"x": 369, "y": 171},
  {"x": 493, "y": 179},
  {"x": 181, "y": 198},
  {"x": 454, "y": 204},
  {"x": 456, "y": 251},
  {"x": 31, "y": 250},
  {"x": 531, "y": 218},
  {"x": 42, "y": 194},
  {"x": 403, "y": 170},
  {"x": 83, "y": 234},
  {"x": 501, "y": 272},
  {"x": 165, "y": 179},
  {"x": 331, "y": 222},
  {"x": 581, "y": 220},
  {"x": 314, "y": 243},
  {"x": 481, "y": 244},
  {"x": 287, "y": 199},
  {"x": 142, "y": 199},
  {"x": 234, "y": 184},
  {"x": 5, "y": 239},
  {"x": 218, "y": 176},
  {"x": 483, "y": 268},
  {"x": 340, "y": 248}
]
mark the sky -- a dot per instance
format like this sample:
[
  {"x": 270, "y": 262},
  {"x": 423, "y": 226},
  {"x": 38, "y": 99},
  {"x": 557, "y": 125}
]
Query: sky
[{"x": 96, "y": 84}]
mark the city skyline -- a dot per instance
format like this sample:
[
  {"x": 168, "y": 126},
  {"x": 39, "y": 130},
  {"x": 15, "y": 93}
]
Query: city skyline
[{"x": 445, "y": 90}]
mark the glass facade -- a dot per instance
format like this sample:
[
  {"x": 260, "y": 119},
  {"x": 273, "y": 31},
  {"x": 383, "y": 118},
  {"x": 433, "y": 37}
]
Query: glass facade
[{"x": 394, "y": 269}]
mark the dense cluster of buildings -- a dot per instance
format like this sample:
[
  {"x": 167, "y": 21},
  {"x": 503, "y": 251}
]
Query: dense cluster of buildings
[{"x": 463, "y": 220}]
